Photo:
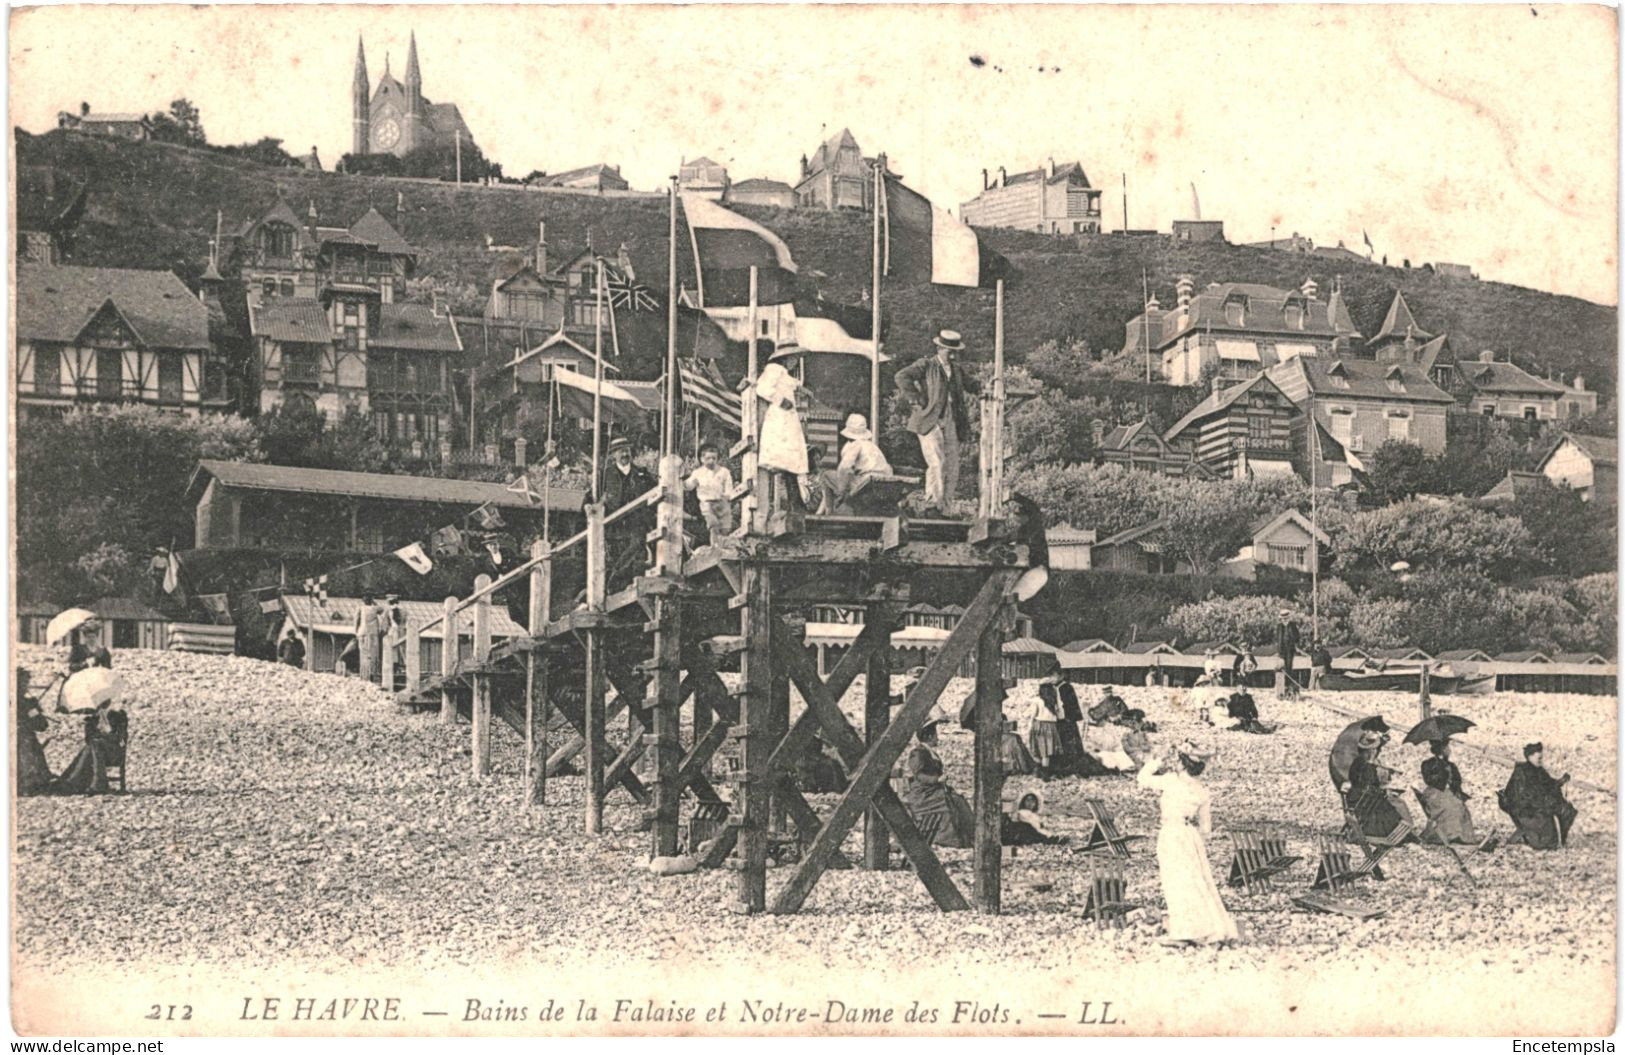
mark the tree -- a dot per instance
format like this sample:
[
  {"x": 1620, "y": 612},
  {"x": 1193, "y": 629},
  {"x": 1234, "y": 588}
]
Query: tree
[
  {"x": 1398, "y": 470},
  {"x": 1568, "y": 535},
  {"x": 1054, "y": 428},
  {"x": 183, "y": 124},
  {"x": 1238, "y": 619},
  {"x": 265, "y": 151},
  {"x": 1434, "y": 535},
  {"x": 1108, "y": 498},
  {"x": 1478, "y": 454}
]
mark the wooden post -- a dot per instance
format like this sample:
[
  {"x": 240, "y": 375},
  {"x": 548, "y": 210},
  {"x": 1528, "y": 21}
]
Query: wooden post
[
  {"x": 1425, "y": 695},
  {"x": 386, "y": 662},
  {"x": 595, "y": 682},
  {"x": 991, "y": 445},
  {"x": 414, "y": 659},
  {"x": 876, "y": 716},
  {"x": 541, "y": 586},
  {"x": 448, "y": 662},
  {"x": 989, "y": 779},
  {"x": 480, "y": 707},
  {"x": 756, "y": 704},
  {"x": 668, "y": 675}
]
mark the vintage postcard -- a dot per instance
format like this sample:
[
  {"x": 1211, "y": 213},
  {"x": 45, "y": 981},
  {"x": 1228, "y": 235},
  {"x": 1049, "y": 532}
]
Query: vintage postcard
[{"x": 537, "y": 521}]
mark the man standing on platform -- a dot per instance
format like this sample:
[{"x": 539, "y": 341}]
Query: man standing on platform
[
  {"x": 624, "y": 482},
  {"x": 366, "y": 638},
  {"x": 936, "y": 387}
]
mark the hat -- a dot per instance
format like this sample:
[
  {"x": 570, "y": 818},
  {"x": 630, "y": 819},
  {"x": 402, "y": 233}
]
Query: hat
[
  {"x": 1370, "y": 740},
  {"x": 1375, "y": 724},
  {"x": 950, "y": 340},
  {"x": 1188, "y": 749},
  {"x": 619, "y": 443},
  {"x": 856, "y": 428},
  {"x": 1533, "y": 749}
]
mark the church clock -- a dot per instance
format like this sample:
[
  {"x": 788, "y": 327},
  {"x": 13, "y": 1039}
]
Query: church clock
[{"x": 387, "y": 134}]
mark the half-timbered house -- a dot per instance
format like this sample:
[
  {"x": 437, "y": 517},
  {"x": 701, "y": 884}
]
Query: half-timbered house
[{"x": 1240, "y": 431}]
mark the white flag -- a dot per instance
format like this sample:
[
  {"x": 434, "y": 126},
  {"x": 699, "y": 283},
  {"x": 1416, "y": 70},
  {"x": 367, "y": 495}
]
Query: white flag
[{"x": 415, "y": 558}]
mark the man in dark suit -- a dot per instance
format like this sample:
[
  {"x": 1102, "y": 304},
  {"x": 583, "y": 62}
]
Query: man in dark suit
[
  {"x": 1286, "y": 643},
  {"x": 935, "y": 388},
  {"x": 624, "y": 482}
]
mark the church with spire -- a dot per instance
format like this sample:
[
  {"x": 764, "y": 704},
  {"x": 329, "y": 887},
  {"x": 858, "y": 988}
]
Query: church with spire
[{"x": 396, "y": 118}]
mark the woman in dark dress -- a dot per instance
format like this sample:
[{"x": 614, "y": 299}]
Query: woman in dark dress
[
  {"x": 941, "y": 813},
  {"x": 33, "y": 771},
  {"x": 1062, "y": 699},
  {"x": 106, "y": 733},
  {"x": 1367, "y": 791}
]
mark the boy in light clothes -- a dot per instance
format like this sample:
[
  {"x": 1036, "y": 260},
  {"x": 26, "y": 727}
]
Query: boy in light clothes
[{"x": 711, "y": 482}]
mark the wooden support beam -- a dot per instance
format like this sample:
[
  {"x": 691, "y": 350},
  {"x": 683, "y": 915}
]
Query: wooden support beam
[
  {"x": 802, "y": 551},
  {"x": 414, "y": 660},
  {"x": 986, "y": 799},
  {"x": 480, "y": 704},
  {"x": 593, "y": 694},
  {"x": 868, "y": 783},
  {"x": 876, "y": 716},
  {"x": 851, "y": 749},
  {"x": 448, "y": 662},
  {"x": 754, "y": 785},
  {"x": 541, "y": 601}
]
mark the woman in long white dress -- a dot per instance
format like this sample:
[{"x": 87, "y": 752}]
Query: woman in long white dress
[
  {"x": 783, "y": 444},
  {"x": 1196, "y": 913}
]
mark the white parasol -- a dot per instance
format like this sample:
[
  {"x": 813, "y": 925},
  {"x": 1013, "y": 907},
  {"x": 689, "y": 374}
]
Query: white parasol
[
  {"x": 64, "y": 623},
  {"x": 90, "y": 688}
]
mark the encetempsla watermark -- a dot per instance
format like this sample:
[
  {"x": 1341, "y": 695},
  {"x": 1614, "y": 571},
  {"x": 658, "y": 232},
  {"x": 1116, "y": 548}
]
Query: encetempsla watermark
[{"x": 1563, "y": 1047}]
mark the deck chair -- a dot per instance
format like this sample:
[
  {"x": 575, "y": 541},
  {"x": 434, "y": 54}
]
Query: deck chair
[
  {"x": 705, "y": 821},
  {"x": 1322, "y": 902},
  {"x": 1103, "y": 834},
  {"x": 1260, "y": 855},
  {"x": 1427, "y": 830},
  {"x": 1531, "y": 831},
  {"x": 1108, "y": 900}
]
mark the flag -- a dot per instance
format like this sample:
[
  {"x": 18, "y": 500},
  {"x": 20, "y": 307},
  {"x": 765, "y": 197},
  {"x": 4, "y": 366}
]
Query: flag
[
  {"x": 415, "y": 558},
  {"x": 726, "y": 246},
  {"x": 172, "y": 574},
  {"x": 1354, "y": 462},
  {"x": 625, "y": 291},
  {"x": 447, "y": 542},
  {"x": 1367, "y": 238},
  {"x": 926, "y": 244},
  {"x": 487, "y": 516},
  {"x": 575, "y": 392},
  {"x": 523, "y": 489},
  {"x": 828, "y": 327},
  {"x": 704, "y": 389}
]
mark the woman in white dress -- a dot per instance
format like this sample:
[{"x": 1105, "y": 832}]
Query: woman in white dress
[
  {"x": 783, "y": 444},
  {"x": 1196, "y": 913}
]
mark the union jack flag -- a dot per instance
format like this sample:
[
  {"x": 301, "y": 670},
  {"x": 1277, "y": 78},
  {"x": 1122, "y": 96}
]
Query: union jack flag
[{"x": 625, "y": 291}]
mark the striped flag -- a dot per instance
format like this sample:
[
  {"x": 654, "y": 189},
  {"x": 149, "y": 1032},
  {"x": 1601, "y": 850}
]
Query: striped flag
[
  {"x": 703, "y": 388},
  {"x": 521, "y": 487},
  {"x": 575, "y": 395}
]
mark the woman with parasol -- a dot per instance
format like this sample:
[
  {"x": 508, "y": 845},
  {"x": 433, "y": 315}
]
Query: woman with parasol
[
  {"x": 1442, "y": 798},
  {"x": 1377, "y": 812},
  {"x": 1196, "y": 913},
  {"x": 94, "y": 693}
]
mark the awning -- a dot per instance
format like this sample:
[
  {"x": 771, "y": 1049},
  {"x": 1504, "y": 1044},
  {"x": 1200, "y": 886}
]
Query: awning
[{"x": 1245, "y": 351}]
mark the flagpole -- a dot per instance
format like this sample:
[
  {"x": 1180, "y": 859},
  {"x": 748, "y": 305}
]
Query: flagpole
[
  {"x": 747, "y": 415},
  {"x": 874, "y": 303},
  {"x": 547, "y": 462},
  {"x": 598, "y": 372},
  {"x": 1314, "y": 536},
  {"x": 670, "y": 444}
]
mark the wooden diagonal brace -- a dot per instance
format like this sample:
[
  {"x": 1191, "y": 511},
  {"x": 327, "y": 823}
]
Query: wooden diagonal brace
[
  {"x": 876, "y": 765},
  {"x": 850, "y": 746}
]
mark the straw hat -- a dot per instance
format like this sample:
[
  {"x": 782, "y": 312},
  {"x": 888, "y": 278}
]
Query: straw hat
[
  {"x": 856, "y": 428},
  {"x": 1196, "y": 754},
  {"x": 949, "y": 339}
]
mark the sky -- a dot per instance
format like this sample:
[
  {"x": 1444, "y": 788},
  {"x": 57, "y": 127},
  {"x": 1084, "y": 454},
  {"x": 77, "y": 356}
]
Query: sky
[{"x": 1470, "y": 134}]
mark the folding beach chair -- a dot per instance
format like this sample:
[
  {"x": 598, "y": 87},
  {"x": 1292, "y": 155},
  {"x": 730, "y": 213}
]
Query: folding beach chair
[
  {"x": 1260, "y": 854},
  {"x": 1108, "y": 900},
  {"x": 1103, "y": 834}
]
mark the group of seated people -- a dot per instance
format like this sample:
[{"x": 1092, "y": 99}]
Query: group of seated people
[
  {"x": 1533, "y": 798},
  {"x": 106, "y": 730}
]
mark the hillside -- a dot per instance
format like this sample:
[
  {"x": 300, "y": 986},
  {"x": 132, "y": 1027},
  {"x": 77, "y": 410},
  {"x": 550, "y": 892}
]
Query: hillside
[{"x": 152, "y": 205}]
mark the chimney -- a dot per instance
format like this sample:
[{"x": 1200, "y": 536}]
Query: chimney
[
  {"x": 1183, "y": 286},
  {"x": 1310, "y": 288},
  {"x": 519, "y": 452},
  {"x": 1486, "y": 356},
  {"x": 1097, "y": 429},
  {"x": 445, "y": 450},
  {"x": 1153, "y": 305},
  {"x": 313, "y": 212},
  {"x": 541, "y": 248},
  {"x": 1579, "y": 382},
  {"x": 1001, "y": 175},
  {"x": 1049, "y": 168},
  {"x": 984, "y": 179},
  {"x": 807, "y": 171},
  {"x": 1218, "y": 383}
]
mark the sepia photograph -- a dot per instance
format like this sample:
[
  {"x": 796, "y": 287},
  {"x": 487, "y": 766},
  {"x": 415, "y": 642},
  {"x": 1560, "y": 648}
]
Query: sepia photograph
[{"x": 699, "y": 520}]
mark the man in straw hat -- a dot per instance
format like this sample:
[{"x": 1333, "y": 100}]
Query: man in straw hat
[
  {"x": 861, "y": 461},
  {"x": 935, "y": 387}
]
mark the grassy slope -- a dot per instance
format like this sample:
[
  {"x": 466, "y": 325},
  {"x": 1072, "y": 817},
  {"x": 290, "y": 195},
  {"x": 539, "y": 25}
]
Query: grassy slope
[{"x": 152, "y": 205}]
